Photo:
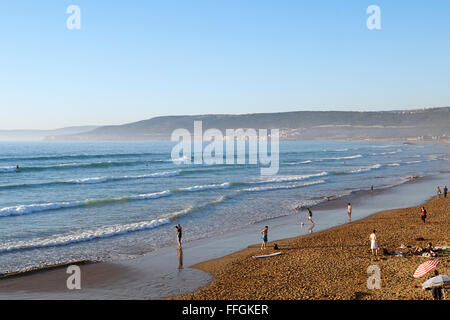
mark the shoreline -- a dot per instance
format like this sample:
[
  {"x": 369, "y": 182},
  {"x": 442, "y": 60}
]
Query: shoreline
[
  {"x": 299, "y": 272},
  {"x": 159, "y": 269},
  {"x": 327, "y": 202}
]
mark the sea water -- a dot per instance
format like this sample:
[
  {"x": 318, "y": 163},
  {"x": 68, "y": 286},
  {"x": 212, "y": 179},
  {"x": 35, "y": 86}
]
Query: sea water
[{"x": 107, "y": 201}]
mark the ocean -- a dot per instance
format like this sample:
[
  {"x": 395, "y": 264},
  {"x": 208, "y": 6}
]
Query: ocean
[{"x": 109, "y": 201}]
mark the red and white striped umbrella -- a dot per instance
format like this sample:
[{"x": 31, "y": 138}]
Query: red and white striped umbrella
[{"x": 425, "y": 267}]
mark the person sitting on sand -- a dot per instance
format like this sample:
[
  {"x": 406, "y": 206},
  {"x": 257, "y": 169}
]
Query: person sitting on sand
[
  {"x": 423, "y": 214},
  {"x": 264, "y": 237},
  {"x": 373, "y": 243},
  {"x": 428, "y": 249}
]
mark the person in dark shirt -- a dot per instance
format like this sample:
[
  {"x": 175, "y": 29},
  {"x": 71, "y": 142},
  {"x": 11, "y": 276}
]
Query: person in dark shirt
[{"x": 179, "y": 234}]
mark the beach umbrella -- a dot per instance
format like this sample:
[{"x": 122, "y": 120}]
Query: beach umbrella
[
  {"x": 436, "y": 282},
  {"x": 426, "y": 267}
]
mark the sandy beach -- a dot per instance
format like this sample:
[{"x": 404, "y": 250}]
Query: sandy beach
[{"x": 332, "y": 264}]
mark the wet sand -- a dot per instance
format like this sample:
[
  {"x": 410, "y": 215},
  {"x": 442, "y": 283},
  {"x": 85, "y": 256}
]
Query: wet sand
[
  {"x": 332, "y": 264},
  {"x": 54, "y": 278}
]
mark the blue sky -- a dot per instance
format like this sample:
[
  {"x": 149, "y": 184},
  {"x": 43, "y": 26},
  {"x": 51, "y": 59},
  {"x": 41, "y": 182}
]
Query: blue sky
[{"x": 133, "y": 60}]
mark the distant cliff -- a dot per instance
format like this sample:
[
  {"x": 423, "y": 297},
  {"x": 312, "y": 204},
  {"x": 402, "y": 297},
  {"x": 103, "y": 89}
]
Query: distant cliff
[
  {"x": 39, "y": 135},
  {"x": 426, "y": 124}
]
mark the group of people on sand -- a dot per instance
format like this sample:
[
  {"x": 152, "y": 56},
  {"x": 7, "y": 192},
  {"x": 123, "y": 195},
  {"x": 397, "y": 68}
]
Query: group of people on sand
[
  {"x": 427, "y": 251},
  {"x": 373, "y": 237},
  {"x": 439, "y": 192},
  {"x": 265, "y": 231}
]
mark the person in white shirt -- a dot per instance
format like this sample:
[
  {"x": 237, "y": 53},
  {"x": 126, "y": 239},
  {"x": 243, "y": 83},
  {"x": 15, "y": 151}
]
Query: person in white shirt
[{"x": 373, "y": 243}]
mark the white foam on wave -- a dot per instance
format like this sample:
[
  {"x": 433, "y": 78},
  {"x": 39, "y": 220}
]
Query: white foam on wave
[
  {"x": 282, "y": 187},
  {"x": 102, "y": 232},
  {"x": 383, "y": 147},
  {"x": 146, "y": 196},
  {"x": 280, "y": 179},
  {"x": 88, "y": 180},
  {"x": 342, "y": 158},
  {"x": 411, "y": 162},
  {"x": 42, "y": 207},
  {"x": 297, "y": 162},
  {"x": 142, "y": 176},
  {"x": 31, "y": 208},
  {"x": 7, "y": 169},
  {"x": 365, "y": 169},
  {"x": 206, "y": 187},
  {"x": 387, "y": 152}
]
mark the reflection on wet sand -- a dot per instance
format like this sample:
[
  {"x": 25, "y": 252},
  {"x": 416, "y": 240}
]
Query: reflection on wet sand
[
  {"x": 310, "y": 229},
  {"x": 180, "y": 258}
]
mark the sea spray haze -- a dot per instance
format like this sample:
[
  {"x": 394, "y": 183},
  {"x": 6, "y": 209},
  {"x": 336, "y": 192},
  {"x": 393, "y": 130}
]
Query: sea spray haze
[{"x": 114, "y": 200}]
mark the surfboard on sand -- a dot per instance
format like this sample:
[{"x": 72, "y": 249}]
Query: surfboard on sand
[{"x": 268, "y": 255}]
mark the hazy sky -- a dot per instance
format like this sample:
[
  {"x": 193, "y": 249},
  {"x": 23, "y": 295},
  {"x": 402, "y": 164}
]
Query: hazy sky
[{"x": 132, "y": 60}]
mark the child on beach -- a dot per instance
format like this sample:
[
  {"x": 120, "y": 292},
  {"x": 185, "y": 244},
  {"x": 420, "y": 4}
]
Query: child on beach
[
  {"x": 264, "y": 237},
  {"x": 349, "y": 212},
  {"x": 373, "y": 243},
  {"x": 423, "y": 214}
]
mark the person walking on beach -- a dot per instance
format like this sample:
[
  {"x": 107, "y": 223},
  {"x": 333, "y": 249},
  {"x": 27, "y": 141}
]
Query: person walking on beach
[
  {"x": 423, "y": 214},
  {"x": 438, "y": 191},
  {"x": 179, "y": 234},
  {"x": 310, "y": 220},
  {"x": 445, "y": 191},
  {"x": 349, "y": 212},
  {"x": 373, "y": 243},
  {"x": 264, "y": 237}
]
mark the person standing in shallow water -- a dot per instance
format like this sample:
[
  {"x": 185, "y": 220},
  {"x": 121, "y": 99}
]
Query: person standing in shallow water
[
  {"x": 349, "y": 212},
  {"x": 264, "y": 237},
  {"x": 179, "y": 234},
  {"x": 310, "y": 219}
]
